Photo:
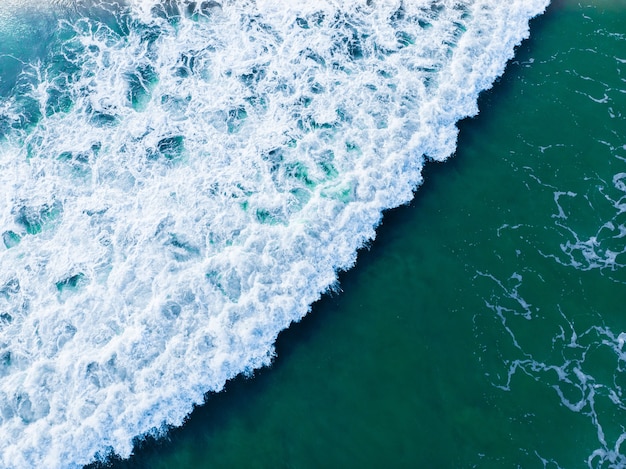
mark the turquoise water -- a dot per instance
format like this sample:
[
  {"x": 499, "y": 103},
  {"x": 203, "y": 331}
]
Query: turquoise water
[{"x": 481, "y": 328}]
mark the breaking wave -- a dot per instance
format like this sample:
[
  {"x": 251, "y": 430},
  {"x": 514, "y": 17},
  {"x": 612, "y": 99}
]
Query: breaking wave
[{"x": 181, "y": 181}]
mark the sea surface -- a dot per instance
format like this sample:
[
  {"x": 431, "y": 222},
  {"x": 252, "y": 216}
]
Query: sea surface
[{"x": 180, "y": 183}]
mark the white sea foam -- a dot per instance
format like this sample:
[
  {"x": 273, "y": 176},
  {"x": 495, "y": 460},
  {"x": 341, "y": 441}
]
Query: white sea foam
[{"x": 181, "y": 184}]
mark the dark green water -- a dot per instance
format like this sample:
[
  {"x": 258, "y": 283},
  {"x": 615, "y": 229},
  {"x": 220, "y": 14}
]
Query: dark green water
[{"x": 482, "y": 328}]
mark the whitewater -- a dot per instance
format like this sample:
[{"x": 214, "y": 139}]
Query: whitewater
[{"x": 181, "y": 181}]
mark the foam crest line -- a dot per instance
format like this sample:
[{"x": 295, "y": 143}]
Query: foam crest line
[{"x": 181, "y": 182}]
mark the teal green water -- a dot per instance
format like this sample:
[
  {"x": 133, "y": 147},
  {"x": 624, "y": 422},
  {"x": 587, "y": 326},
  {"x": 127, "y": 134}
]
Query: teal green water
[{"x": 482, "y": 327}]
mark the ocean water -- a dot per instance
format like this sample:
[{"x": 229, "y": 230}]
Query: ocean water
[
  {"x": 484, "y": 327},
  {"x": 181, "y": 182}
]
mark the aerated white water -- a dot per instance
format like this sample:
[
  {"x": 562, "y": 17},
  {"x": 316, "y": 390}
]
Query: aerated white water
[{"x": 180, "y": 182}]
